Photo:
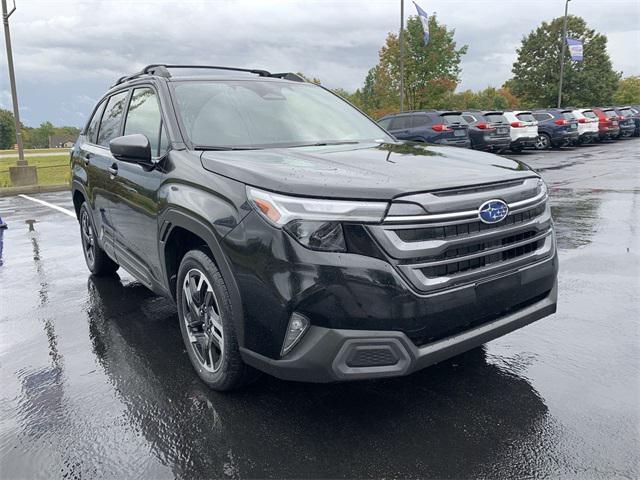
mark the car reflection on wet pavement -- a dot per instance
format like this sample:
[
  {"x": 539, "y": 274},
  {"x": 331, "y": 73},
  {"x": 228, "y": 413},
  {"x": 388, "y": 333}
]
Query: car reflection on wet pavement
[{"x": 96, "y": 382}]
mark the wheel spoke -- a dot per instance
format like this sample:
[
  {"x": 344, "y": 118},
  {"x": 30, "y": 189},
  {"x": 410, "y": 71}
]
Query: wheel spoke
[{"x": 186, "y": 291}]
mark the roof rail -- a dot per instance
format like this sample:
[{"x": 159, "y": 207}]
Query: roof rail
[{"x": 162, "y": 70}]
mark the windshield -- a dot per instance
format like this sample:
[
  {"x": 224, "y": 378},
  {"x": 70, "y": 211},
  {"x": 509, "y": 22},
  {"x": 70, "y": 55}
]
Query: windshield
[{"x": 262, "y": 114}]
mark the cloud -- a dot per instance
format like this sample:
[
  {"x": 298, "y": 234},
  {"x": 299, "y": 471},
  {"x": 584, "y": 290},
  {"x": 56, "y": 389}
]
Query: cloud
[{"x": 67, "y": 53}]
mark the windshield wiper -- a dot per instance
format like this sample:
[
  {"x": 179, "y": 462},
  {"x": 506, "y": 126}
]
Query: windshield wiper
[
  {"x": 327, "y": 143},
  {"x": 221, "y": 148}
]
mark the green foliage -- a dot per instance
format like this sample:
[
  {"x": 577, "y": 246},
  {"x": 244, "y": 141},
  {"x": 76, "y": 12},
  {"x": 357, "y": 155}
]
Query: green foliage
[
  {"x": 628, "y": 92},
  {"x": 7, "y": 129},
  {"x": 537, "y": 69},
  {"x": 431, "y": 71}
]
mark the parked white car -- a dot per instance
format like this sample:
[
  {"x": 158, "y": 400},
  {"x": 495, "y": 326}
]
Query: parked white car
[
  {"x": 587, "y": 125},
  {"x": 524, "y": 129}
]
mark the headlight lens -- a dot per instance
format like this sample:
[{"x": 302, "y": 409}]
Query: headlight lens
[
  {"x": 314, "y": 222},
  {"x": 282, "y": 209},
  {"x": 322, "y": 236}
]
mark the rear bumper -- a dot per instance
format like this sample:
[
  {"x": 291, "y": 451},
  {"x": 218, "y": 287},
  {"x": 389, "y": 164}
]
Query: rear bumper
[
  {"x": 611, "y": 132},
  {"x": 455, "y": 142},
  {"x": 492, "y": 143},
  {"x": 564, "y": 137},
  {"x": 334, "y": 354},
  {"x": 524, "y": 142}
]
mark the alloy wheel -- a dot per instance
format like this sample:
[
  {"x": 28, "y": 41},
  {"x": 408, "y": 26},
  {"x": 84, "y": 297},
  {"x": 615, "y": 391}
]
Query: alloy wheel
[
  {"x": 201, "y": 314},
  {"x": 542, "y": 142},
  {"x": 88, "y": 240}
]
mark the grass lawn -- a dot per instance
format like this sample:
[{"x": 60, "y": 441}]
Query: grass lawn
[{"x": 51, "y": 170}]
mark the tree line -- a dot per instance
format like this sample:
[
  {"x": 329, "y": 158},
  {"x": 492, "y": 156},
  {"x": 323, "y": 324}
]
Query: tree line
[
  {"x": 432, "y": 73},
  {"x": 32, "y": 137}
]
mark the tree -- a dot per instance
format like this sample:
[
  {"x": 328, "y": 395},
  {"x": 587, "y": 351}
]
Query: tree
[
  {"x": 7, "y": 130},
  {"x": 628, "y": 92},
  {"x": 537, "y": 69},
  {"x": 430, "y": 71}
]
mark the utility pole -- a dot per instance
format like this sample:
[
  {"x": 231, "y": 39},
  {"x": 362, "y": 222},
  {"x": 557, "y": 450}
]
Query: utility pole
[
  {"x": 401, "y": 55},
  {"x": 12, "y": 80},
  {"x": 564, "y": 46}
]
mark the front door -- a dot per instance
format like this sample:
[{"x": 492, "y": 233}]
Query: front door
[
  {"x": 97, "y": 161},
  {"x": 134, "y": 211}
]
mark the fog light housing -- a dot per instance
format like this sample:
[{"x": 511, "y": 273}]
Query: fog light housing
[{"x": 298, "y": 325}]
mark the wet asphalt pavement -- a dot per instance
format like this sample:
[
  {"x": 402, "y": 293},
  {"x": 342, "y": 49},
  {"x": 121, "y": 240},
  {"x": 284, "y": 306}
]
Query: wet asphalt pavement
[{"x": 95, "y": 381}]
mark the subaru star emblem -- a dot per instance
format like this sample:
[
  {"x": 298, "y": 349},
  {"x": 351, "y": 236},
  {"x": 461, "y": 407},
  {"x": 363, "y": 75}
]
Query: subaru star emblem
[{"x": 493, "y": 211}]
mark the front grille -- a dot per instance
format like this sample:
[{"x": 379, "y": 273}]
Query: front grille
[
  {"x": 446, "y": 249},
  {"x": 453, "y": 231}
]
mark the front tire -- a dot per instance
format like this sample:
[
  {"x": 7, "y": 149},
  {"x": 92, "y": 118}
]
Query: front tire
[
  {"x": 97, "y": 260},
  {"x": 206, "y": 323}
]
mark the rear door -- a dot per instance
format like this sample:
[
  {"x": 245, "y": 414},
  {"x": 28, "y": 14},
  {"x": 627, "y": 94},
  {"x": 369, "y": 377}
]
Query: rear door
[
  {"x": 134, "y": 211},
  {"x": 456, "y": 123},
  {"x": 97, "y": 157},
  {"x": 400, "y": 125}
]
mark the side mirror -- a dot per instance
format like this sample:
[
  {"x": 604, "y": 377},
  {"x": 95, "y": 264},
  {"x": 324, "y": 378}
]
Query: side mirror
[{"x": 132, "y": 148}]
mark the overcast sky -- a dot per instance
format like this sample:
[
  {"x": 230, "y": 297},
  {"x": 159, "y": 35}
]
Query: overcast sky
[{"x": 67, "y": 53}]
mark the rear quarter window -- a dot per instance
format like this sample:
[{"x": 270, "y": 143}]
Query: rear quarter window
[
  {"x": 589, "y": 114},
  {"x": 92, "y": 128},
  {"x": 419, "y": 121}
]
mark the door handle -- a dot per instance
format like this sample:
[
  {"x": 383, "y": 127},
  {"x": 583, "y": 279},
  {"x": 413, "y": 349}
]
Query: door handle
[
  {"x": 113, "y": 169},
  {"x": 87, "y": 158}
]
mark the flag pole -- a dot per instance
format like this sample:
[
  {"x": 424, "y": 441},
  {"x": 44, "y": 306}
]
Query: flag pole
[
  {"x": 564, "y": 46},
  {"x": 402, "y": 55}
]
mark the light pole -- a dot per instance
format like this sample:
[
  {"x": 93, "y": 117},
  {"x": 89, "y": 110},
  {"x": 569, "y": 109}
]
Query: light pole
[
  {"x": 401, "y": 55},
  {"x": 564, "y": 46}
]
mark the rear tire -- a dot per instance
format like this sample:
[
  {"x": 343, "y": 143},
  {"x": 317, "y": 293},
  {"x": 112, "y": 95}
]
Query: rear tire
[
  {"x": 97, "y": 260},
  {"x": 206, "y": 323},
  {"x": 542, "y": 142}
]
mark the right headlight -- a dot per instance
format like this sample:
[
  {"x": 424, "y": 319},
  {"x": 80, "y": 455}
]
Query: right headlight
[{"x": 314, "y": 222}]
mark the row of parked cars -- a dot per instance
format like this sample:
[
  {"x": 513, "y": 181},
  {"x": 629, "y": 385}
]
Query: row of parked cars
[{"x": 515, "y": 130}]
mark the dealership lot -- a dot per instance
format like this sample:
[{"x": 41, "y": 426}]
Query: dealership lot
[{"x": 96, "y": 381}]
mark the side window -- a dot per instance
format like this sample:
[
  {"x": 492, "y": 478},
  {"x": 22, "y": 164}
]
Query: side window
[
  {"x": 400, "y": 123},
  {"x": 385, "y": 122},
  {"x": 110, "y": 124},
  {"x": 418, "y": 121},
  {"x": 92, "y": 128},
  {"x": 144, "y": 117}
]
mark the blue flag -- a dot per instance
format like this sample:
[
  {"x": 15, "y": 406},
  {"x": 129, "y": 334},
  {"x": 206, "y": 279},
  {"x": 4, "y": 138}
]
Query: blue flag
[
  {"x": 575, "y": 49},
  {"x": 424, "y": 18}
]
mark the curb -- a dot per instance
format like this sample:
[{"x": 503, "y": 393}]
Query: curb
[{"x": 10, "y": 191}]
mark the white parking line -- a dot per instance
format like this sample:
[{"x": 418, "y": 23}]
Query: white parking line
[{"x": 50, "y": 205}]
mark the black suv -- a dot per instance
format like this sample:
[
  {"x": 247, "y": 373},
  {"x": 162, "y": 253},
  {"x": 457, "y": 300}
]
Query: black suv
[
  {"x": 296, "y": 236},
  {"x": 431, "y": 126}
]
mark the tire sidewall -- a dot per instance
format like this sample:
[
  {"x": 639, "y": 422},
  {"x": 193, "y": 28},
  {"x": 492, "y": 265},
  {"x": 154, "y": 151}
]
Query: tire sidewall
[
  {"x": 199, "y": 260},
  {"x": 84, "y": 209}
]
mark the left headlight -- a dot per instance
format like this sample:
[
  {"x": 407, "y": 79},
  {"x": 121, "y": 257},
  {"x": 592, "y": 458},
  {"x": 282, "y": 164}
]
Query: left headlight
[{"x": 314, "y": 222}]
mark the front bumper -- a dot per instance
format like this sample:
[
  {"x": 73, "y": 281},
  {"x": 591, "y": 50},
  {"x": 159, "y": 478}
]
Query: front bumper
[{"x": 326, "y": 354}]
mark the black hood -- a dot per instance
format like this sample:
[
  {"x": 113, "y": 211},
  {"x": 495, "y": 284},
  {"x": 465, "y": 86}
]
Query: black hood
[{"x": 370, "y": 171}]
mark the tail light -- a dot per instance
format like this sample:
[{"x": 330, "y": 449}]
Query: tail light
[
  {"x": 484, "y": 126},
  {"x": 441, "y": 127},
  {"x": 620, "y": 118},
  {"x": 582, "y": 120},
  {"x": 517, "y": 124},
  {"x": 561, "y": 121}
]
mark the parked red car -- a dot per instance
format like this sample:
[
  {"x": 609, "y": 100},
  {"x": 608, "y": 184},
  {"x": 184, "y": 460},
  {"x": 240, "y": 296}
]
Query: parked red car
[{"x": 608, "y": 126}]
